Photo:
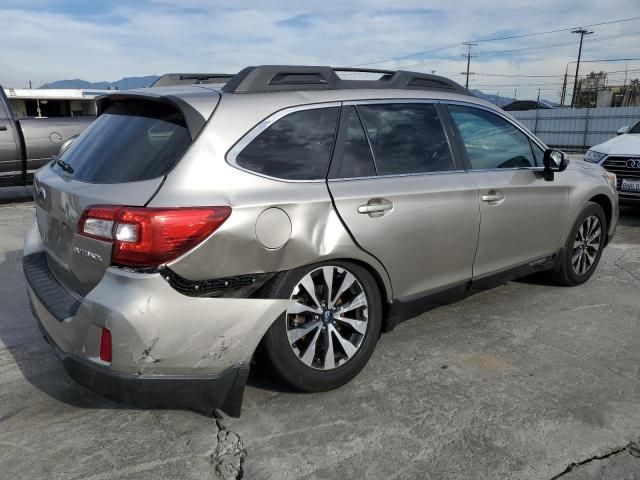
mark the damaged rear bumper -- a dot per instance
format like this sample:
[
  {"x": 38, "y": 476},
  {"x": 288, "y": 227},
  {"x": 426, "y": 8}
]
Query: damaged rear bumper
[
  {"x": 168, "y": 349},
  {"x": 204, "y": 393}
]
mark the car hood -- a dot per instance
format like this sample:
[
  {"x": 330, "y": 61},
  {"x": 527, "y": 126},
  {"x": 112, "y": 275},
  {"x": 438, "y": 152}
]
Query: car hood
[{"x": 627, "y": 144}]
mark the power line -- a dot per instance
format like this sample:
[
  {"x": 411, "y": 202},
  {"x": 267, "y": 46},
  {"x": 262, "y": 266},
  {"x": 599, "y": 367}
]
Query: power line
[
  {"x": 514, "y": 76},
  {"x": 542, "y": 47},
  {"x": 453, "y": 45},
  {"x": 417, "y": 54},
  {"x": 555, "y": 31},
  {"x": 513, "y": 84}
]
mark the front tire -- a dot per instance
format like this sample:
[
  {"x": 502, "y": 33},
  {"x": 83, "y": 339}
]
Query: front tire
[
  {"x": 329, "y": 334},
  {"x": 584, "y": 247}
]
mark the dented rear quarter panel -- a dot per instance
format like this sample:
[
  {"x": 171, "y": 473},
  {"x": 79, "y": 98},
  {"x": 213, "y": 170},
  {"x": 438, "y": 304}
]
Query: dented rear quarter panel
[{"x": 203, "y": 177}]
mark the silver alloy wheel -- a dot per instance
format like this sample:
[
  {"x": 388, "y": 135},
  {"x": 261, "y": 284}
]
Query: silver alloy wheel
[
  {"x": 328, "y": 322},
  {"x": 586, "y": 245}
]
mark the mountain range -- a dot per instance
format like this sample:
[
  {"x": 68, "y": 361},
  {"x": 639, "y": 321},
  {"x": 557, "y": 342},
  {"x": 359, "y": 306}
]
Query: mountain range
[
  {"x": 122, "y": 84},
  {"x": 146, "y": 81}
]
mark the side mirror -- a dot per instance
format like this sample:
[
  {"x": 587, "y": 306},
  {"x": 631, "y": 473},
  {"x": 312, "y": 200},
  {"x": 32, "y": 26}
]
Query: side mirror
[
  {"x": 66, "y": 144},
  {"x": 623, "y": 130},
  {"x": 554, "y": 161}
]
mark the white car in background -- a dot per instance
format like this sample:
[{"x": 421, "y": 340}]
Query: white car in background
[{"x": 621, "y": 155}]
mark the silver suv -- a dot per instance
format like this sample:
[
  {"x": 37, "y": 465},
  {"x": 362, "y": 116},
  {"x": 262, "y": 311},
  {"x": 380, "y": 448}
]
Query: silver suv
[{"x": 293, "y": 212}]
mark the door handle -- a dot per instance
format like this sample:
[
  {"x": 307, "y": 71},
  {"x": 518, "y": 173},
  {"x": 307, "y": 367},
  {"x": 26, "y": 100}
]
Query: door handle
[
  {"x": 376, "y": 207},
  {"x": 3, "y": 128},
  {"x": 493, "y": 197}
]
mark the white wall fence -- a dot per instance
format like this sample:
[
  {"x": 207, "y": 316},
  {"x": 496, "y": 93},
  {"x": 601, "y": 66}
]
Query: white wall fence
[{"x": 577, "y": 128}]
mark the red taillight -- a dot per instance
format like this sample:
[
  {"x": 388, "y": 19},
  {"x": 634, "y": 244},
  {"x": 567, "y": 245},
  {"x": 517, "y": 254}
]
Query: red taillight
[
  {"x": 147, "y": 237},
  {"x": 105, "y": 346}
]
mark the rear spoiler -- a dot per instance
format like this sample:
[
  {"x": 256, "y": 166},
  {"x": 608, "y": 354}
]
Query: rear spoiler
[{"x": 193, "y": 118}]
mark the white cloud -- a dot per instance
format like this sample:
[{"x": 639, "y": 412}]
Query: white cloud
[{"x": 52, "y": 39}]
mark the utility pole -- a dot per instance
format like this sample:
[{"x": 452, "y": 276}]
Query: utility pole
[
  {"x": 468, "y": 55},
  {"x": 582, "y": 32}
]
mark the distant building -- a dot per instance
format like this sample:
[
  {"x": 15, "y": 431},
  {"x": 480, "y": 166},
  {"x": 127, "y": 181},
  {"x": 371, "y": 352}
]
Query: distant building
[
  {"x": 36, "y": 102},
  {"x": 594, "y": 91}
]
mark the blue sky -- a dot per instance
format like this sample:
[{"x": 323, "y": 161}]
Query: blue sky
[{"x": 46, "y": 40}]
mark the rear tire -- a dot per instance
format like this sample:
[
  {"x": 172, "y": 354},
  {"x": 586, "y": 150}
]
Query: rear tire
[
  {"x": 583, "y": 248},
  {"x": 325, "y": 339}
]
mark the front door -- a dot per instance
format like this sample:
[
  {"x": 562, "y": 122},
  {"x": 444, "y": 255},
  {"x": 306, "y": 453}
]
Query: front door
[{"x": 521, "y": 214}]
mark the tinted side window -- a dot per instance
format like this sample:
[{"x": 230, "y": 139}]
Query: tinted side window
[
  {"x": 406, "y": 138},
  {"x": 296, "y": 147},
  {"x": 357, "y": 160},
  {"x": 491, "y": 141}
]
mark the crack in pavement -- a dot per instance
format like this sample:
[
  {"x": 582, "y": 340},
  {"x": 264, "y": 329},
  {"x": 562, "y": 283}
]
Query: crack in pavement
[
  {"x": 633, "y": 448},
  {"x": 230, "y": 454},
  {"x": 221, "y": 450}
]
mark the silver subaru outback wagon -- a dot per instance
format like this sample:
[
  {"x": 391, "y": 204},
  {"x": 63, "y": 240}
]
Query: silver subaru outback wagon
[{"x": 293, "y": 212}]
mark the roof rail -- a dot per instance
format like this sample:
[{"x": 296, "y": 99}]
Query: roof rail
[
  {"x": 169, "y": 79},
  {"x": 285, "y": 78}
]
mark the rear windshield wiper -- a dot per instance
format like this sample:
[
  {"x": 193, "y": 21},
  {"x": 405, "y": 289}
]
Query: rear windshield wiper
[{"x": 62, "y": 164}]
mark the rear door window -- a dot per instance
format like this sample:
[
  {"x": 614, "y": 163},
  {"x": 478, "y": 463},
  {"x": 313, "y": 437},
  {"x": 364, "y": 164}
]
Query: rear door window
[
  {"x": 406, "y": 138},
  {"x": 131, "y": 141},
  {"x": 296, "y": 147},
  {"x": 357, "y": 159}
]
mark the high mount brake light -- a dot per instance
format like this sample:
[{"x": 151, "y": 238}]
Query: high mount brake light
[{"x": 148, "y": 237}]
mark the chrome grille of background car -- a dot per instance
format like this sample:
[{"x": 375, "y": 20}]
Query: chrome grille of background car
[{"x": 618, "y": 165}]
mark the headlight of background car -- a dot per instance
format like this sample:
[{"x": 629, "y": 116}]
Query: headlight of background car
[{"x": 593, "y": 156}]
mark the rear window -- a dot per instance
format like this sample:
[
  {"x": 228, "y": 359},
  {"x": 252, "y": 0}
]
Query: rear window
[
  {"x": 130, "y": 142},
  {"x": 296, "y": 147}
]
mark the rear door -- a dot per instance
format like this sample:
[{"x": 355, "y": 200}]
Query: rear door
[
  {"x": 522, "y": 214},
  {"x": 401, "y": 193},
  {"x": 121, "y": 159}
]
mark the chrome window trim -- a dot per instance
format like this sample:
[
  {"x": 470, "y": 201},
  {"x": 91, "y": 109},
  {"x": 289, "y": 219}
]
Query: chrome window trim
[
  {"x": 232, "y": 154},
  {"x": 519, "y": 127},
  {"x": 535, "y": 169},
  {"x": 377, "y": 177},
  {"x": 380, "y": 101}
]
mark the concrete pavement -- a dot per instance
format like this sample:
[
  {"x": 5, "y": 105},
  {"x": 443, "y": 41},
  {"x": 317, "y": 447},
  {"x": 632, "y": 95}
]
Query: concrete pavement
[{"x": 526, "y": 381}]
